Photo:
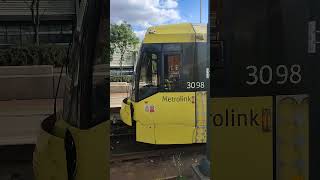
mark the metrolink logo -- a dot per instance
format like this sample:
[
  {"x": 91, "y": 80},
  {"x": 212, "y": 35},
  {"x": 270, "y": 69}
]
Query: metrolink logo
[
  {"x": 178, "y": 99},
  {"x": 251, "y": 118}
]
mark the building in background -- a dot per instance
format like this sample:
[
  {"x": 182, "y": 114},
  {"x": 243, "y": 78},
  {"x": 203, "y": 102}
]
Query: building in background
[
  {"x": 130, "y": 59},
  {"x": 57, "y": 18}
]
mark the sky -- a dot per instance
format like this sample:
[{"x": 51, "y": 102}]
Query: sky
[{"x": 142, "y": 14}]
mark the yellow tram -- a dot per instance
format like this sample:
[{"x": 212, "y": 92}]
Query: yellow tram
[{"x": 168, "y": 99}]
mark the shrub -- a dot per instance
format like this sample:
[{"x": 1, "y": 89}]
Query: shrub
[
  {"x": 125, "y": 78},
  {"x": 33, "y": 55}
]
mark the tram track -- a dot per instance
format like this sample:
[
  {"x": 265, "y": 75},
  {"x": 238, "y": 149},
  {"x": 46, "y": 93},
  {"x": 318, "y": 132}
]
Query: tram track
[{"x": 157, "y": 151}]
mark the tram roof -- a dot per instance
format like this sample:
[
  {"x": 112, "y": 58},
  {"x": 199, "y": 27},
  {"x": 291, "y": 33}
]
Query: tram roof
[{"x": 176, "y": 33}]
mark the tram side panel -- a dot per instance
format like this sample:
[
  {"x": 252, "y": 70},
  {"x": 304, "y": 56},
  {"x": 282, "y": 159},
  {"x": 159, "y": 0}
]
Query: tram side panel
[
  {"x": 242, "y": 139},
  {"x": 166, "y": 118}
]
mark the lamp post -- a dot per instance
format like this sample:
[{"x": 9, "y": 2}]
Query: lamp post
[{"x": 200, "y": 11}]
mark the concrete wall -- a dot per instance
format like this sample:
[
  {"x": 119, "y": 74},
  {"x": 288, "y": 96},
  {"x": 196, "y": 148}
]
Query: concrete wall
[
  {"x": 120, "y": 87},
  {"x": 35, "y": 82},
  {"x": 26, "y": 82}
]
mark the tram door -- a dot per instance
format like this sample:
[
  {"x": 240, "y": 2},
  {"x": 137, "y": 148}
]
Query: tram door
[{"x": 263, "y": 106}]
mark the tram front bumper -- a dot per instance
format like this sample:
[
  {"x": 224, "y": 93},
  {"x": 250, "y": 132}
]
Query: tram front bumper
[{"x": 126, "y": 112}]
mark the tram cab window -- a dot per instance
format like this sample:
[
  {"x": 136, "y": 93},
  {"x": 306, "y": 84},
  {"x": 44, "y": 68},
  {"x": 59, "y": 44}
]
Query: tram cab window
[
  {"x": 172, "y": 66},
  {"x": 149, "y": 78}
]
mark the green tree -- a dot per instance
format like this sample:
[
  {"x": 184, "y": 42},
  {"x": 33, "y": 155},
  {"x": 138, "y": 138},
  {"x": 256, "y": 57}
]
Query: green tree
[{"x": 122, "y": 38}]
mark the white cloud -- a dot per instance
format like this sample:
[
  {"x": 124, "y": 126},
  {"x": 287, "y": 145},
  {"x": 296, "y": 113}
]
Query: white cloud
[
  {"x": 140, "y": 34},
  {"x": 170, "y": 4},
  {"x": 144, "y": 13}
]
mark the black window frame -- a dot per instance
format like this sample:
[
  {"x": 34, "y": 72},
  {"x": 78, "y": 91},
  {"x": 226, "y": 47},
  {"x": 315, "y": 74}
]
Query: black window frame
[
  {"x": 160, "y": 50},
  {"x": 144, "y": 51}
]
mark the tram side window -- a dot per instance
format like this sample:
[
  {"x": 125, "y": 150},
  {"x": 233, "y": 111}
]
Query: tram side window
[
  {"x": 149, "y": 81},
  {"x": 172, "y": 66}
]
